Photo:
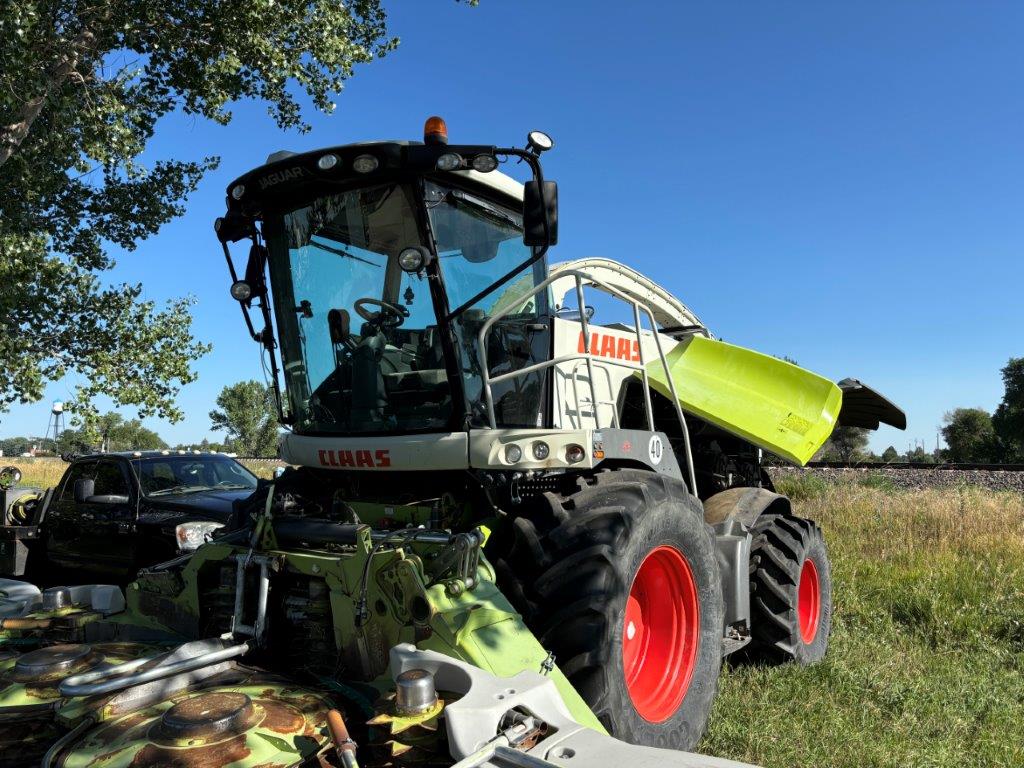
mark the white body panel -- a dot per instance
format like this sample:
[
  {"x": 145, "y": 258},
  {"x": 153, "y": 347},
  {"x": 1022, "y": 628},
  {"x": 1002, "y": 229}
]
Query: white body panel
[
  {"x": 387, "y": 452},
  {"x": 666, "y": 308},
  {"x": 573, "y": 406}
]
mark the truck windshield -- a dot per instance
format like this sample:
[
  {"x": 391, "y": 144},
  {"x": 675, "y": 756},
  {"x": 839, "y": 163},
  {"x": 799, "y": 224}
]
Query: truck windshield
[
  {"x": 171, "y": 475},
  {"x": 360, "y": 339}
]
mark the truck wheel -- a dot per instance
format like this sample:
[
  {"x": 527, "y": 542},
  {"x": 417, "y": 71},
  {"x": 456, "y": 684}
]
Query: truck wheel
[
  {"x": 619, "y": 580},
  {"x": 790, "y": 590}
]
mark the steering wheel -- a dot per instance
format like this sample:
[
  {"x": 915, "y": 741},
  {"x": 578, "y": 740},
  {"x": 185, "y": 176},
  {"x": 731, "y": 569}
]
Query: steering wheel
[{"x": 389, "y": 316}]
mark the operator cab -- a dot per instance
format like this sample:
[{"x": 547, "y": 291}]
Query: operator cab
[{"x": 384, "y": 261}]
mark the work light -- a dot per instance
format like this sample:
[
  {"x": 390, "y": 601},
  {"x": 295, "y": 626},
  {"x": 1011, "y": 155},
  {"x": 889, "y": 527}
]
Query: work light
[
  {"x": 484, "y": 163},
  {"x": 365, "y": 164},
  {"x": 241, "y": 290},
  {"x": 449, "y": 161}
]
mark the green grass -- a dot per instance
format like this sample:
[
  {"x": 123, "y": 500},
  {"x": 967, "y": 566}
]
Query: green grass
[{"x": 926, "y": 663}]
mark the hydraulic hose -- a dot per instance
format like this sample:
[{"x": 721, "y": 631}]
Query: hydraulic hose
[{"x": 343, "y": 744}]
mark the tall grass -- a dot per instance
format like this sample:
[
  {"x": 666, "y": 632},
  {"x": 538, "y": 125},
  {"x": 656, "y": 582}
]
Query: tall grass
[
  {"x": 46, "y": 472},
  {"x": 926, "y": 664},
  {"x": 37, "y": 472}
]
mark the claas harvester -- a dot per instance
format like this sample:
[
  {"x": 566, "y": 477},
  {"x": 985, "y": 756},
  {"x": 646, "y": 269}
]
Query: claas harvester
[{"x": 524, "y": 518}]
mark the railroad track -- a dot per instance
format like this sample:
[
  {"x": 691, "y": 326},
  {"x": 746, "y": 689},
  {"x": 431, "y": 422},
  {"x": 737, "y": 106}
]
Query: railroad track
[{"x": 915, "y": 465}]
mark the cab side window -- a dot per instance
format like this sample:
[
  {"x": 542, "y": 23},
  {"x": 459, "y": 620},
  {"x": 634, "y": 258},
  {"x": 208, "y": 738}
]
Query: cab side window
[
  {"x": 77, "y": 472},
  {"x": 110, "y": 479}
]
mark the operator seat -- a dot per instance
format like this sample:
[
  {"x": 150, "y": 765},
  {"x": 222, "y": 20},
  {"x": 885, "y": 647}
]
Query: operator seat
[
  {"x": 369, "y": 398},
  {"x": 339, "y": 324}
]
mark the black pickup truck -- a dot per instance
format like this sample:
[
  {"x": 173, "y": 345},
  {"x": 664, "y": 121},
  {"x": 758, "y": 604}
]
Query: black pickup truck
[{"x": 114, "y": 513}]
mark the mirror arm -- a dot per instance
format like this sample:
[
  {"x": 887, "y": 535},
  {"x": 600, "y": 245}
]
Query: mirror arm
[
  {"x": 266, "y": 338},
  {"x": 234, "y": 279}
]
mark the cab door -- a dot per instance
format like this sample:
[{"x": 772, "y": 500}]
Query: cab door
[
  {"x": 62, "y": 527},
  {"x": 108, "y": 520}
]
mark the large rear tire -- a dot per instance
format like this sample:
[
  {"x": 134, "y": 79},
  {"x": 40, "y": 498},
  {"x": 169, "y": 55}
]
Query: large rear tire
[
  {"x": 619, "y": 580},
  {"x": 790, "y": 590}
]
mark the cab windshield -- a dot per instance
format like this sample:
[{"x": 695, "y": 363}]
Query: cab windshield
[{"x": 360, "y": 340}]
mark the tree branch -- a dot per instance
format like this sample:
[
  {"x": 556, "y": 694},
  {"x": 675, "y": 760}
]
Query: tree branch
[{"x": 13, "y": 134}]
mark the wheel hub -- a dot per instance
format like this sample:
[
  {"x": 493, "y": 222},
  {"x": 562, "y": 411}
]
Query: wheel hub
[
  {"x": 660, "y": 635},
  {"x": 808, "y": 605}
]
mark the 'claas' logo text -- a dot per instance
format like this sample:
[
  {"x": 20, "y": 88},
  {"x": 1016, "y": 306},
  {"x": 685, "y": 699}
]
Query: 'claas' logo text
[
  {"x": 354, "y": 459},
  {"x": 605, "y": 345}
]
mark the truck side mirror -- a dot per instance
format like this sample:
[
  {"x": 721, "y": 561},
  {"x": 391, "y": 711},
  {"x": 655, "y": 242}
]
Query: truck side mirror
[
  {"x": 254, "y": 268},
  {"x": 85, "y": 488},
  {"x": 536, "y": 214}
]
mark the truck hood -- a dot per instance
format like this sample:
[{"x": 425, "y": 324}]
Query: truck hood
[{"x": 213, "y": 504}]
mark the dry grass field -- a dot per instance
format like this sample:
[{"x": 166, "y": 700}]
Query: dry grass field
[
  {"x": 47, "y": 472},
  {"x": 926, "y": 664},
  {"x": 38, "y": 472}
]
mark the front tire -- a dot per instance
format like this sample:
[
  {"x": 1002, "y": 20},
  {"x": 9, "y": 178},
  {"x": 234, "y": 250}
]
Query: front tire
[
  {"x": 619, "y": 580},
  {"x": 790, "y": 590}
]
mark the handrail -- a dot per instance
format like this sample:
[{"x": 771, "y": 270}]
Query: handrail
[{"x": 588, "y": 356}]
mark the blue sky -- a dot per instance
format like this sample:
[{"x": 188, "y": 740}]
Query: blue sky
[{"x": 839, "y": 183}]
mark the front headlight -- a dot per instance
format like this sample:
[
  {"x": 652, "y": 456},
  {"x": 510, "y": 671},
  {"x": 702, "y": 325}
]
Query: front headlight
[{"x": 191, "y": 536}]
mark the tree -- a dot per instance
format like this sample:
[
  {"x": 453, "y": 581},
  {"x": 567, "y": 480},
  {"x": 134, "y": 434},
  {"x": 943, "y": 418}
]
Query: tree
[
  {"x": 890, "y": 455},
  {"x": 248, "y": 415},
  {"x": 969, "y": 435},
  {"x": 1008, "y": 420},
  {"x": 74, "y": 441},
  {"x": 846, "y": 444},
  {"x": 15, "y": 446},
  {"x": 918, "y": 455},
  {"x": 82, "y": 88},
  {"x": 110, "y": 432}
]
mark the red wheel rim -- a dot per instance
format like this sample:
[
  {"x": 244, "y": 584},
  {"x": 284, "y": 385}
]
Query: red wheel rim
[
  {"x": 660, "y": 634},
  {"x": 808, "y": 601}
]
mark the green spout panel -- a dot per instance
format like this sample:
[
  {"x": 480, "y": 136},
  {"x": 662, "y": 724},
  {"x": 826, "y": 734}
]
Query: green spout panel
[
  {"x": 775, "y": 405},
  {"x": 483, "y": 629}
]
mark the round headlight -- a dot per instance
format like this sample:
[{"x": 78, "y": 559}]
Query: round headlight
[
  {"x": 484, "y": 163},
  {"x": 365, "y": 164},
  {"x": 513, "y": 453},
  {"x": 326, "y": 162},
  {"x": 540, "y": 450},
  {"x": 449, "y": 161},
  {"x": 237, "y": 191},
  {"x": 574, "y": 454},
  {"x": 241, "y": 291},
  {"x": 411, "y": 260}
]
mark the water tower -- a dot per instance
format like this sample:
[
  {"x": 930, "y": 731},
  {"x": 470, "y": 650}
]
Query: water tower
[{"x": 56, "y": 424}]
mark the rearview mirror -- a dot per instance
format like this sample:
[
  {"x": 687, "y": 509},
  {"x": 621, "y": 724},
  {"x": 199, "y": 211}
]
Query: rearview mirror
[
  {"x": 254, "y": 269},
  {"x": 540, "y": 219},
  {"x": 85, "y": 493}
]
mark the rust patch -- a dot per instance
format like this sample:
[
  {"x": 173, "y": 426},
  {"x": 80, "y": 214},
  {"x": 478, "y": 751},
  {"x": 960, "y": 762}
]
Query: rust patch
[
  {"x": 210, "y": 756},
  {"x": 281, "y": 718},
  {"x": 120, "y": 728}
]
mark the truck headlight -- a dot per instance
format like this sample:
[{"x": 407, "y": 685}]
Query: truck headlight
[{"x": 191, "y": 536}]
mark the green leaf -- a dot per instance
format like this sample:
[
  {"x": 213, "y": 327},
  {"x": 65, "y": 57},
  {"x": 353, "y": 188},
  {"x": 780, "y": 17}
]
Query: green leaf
[{"x": 278, "y": 743}]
